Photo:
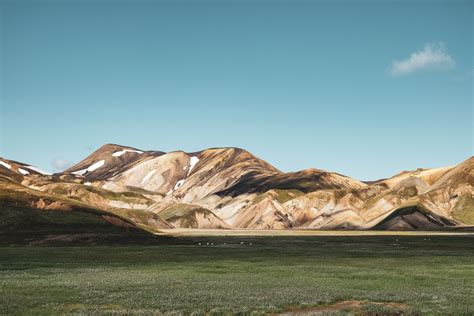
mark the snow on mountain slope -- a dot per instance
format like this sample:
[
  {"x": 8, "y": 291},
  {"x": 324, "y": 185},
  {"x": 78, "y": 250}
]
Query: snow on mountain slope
[
  {"x": 158, "y": 174},
  {"x": 189, "y": 177},
  {"x": 108, "y": 161},
  {"x": 6, "y": 165},
  {"x": 124, "y": 151},
  {"x": 36, "y": 213},
  {"x": 231, "y": 188},
  {"x": 19, "y": 170}
]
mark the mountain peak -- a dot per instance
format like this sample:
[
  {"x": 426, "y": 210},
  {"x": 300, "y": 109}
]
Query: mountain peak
[
  {"x": 109, "y": 159},
  {"x": 231, "y": 187}
]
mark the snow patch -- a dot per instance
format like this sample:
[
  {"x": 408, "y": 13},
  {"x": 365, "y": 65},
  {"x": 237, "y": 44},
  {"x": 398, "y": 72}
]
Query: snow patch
[
  {"x": 192, "y": 162},
  {"x": 179, "y": 184},
  {"x": 23, "y": 171},
  {"x": 87, "y": 183},
  {"x": 176, "y": 186},
  {"x": 91, "y": 168},
  {"x": 80, "y": 172},
  {"x": 38, "y": 170},
  {"x": 5, "y": 164},
  {"x": 148, "y": 175},
  {"x": 96, "y": 165},
  {"x": 121, "y": 152}
]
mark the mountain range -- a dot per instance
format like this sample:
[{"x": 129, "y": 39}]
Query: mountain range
[{"x": 124, "y": 188}]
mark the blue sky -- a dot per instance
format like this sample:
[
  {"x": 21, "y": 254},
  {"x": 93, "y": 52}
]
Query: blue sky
[{"x": 364, "y": 88}]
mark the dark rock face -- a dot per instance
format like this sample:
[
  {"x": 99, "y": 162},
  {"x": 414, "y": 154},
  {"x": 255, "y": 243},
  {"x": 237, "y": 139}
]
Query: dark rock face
[{"x": 414, "y": 218}]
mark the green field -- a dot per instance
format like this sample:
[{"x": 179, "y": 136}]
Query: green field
[{"x": 409, "y": 274}]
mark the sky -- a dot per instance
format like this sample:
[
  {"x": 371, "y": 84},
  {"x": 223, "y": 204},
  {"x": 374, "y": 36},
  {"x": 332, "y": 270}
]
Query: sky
[{"x": 363, "y": 88}]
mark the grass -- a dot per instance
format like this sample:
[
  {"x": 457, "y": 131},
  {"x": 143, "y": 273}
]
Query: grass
[
  {"x": 21, "y": 219},
  {"x": 81, "y": 192},
  {"x": 217, "y": 232},
  {"x": 280, "y": 195},
  {"x": 416, "y": 274},
  {"x": 464, "y": 209},
  {"x": 185, "y": 212},
  {"x": 18, "y": 214}
]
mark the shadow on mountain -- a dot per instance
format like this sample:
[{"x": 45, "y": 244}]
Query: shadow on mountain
[{"x": 413, "y": 218}]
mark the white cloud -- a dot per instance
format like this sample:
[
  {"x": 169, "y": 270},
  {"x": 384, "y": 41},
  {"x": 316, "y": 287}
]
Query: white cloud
[
  {"x": 432, "y": 57},
  {"x": 61, "y": 164}
]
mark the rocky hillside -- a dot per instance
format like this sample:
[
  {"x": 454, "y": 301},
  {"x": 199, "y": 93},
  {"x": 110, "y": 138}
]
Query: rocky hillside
[{"x": 231, "y": 188}]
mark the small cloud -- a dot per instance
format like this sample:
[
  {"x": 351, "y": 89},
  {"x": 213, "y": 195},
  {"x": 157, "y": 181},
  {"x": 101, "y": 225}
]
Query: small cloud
[
  {"x": 432, "y": 57},
  {"x": 61, "y": 164}
]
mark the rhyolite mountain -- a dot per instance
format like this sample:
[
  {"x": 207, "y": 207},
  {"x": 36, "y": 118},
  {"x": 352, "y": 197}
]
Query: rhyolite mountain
[{"x": 121, "y": 187}]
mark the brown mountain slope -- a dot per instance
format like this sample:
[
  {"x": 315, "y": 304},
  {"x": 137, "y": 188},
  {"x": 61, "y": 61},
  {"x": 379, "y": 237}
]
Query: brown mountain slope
[
  {"x": 27, "y": 211},
  {"x": 187, "y": 177},
  {"x": 24, "y": 210},
  {"x": 306, "y": 181},
  {"x": 427, "y": 176},
  {"x": 452, "y": 193},
  {"x": 231, "y": 188},
  {"x": 414, "y": 217},
  {"x": 18, "y": 170},
  {"x": 460, "y": 175},
  {"x": 108, "y": 161},
  {"x": 188, "y": 216}
]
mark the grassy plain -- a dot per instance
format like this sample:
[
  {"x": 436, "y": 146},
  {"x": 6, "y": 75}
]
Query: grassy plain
[{"x": 244, "y": 274}]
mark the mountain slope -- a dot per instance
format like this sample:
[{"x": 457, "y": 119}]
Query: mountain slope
[
  {"x": 109, "y": 160},
  {"x": 17, "y": 170},
  {"x": 190, "y": 216},
  {"x": 307, "y": 181},
  {"x": 413, "y": 217},
  {"x": 231, "y": 188},
  {"x": 23, "y": 210}
]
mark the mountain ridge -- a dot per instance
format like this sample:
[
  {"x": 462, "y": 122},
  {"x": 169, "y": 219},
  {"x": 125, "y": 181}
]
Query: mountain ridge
[{"x": 229, "y": 187}]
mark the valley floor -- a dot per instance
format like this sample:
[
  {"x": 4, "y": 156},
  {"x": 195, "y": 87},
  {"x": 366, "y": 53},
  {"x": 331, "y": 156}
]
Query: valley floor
[
  {"x": 200, "y": 232},
  {"x": 294, "y": 274}
]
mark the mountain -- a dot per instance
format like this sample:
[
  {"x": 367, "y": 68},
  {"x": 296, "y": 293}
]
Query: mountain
[
  {"x": 109, "y": 160},
  {"x": 30, "y": 214},
  {"x": 18, "y": 170},
  {"x": 231, "y": 188}
]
